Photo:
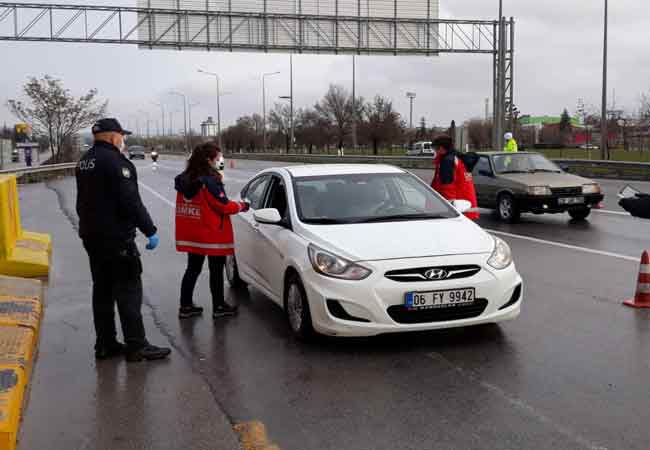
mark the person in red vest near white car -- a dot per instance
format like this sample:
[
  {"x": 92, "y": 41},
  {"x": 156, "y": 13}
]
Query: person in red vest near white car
[
  {"x": 453, "y": 174},
  {"x": 203, "y": 227}
]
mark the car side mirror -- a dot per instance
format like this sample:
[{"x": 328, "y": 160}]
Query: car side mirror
[
  {"x": 485, "y": 173},
  {"x": 270, "y": 216},
  {"x": 462, "y": 206}
]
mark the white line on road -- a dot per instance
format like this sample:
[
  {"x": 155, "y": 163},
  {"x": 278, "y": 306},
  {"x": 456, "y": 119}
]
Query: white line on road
[
  {"x": 501, "y": 233},
  {"x": 566, "y": 246},
  {"x": 617, "y": 213}
]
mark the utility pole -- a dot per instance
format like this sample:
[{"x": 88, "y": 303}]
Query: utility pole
[
  {"x": 603, "y": 121},
  {"x": 180, "y": 94},
  {"x": 291, "y": 94},
  {"x": 487, "y": 110},
  {"x": 162, "y": 109},
  {"x": 264, "y": 75},
  {"x": 189, "y": 110},
  {"x": 411, "y": 96},
  {"x": 354, "y": 101}
]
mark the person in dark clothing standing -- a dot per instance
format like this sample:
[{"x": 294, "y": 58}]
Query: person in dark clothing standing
[
  {"x": 637, "y": 206},
  {"x": 203, "y": 227},
  {"x": 110, "y": 209}
]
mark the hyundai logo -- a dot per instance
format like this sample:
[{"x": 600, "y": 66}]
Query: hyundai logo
[{"x": 436, "y": 274}]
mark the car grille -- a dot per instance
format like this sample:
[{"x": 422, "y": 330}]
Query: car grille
[
  {"x": 420, "y": 273},
  {"x": 567, "y": 191},
  {"x": 401, "y": 314}
]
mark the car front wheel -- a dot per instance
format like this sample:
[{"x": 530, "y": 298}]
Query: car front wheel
[
  {"x": 296, "y": 308},
  {"x": 232, "y": 273},
  {"x": 580, "y": 213},
  {"x": 507, "y": 208}
]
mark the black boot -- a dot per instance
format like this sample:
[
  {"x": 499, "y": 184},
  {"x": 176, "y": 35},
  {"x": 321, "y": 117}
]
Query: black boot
[
  {"x": 223, "y": 310},
  {"x": 185, "y": 312},
  {"x": 109, "y": 351},
  {"x": 148, "y": 352}
]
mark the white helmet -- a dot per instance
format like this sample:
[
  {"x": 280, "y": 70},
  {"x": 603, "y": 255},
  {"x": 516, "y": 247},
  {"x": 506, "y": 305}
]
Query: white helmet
[{"x": 508, "y": 136}]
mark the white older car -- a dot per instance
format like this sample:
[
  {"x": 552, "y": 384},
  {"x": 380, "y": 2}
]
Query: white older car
[{"x": 361, "y": 250}]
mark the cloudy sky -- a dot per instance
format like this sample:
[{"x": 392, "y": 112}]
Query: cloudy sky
[{"x": 558, "y": 60}]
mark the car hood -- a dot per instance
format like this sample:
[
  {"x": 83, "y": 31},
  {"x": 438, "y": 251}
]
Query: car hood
[
  {"x": 555, "y": 180},
  {"x": 396, "y": 240}
]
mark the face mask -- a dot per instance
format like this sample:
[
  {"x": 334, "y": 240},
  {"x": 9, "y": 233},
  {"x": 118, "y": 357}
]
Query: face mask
[
  {"x": 123, "y": 144},
  {"x": 221, "y": 164}
]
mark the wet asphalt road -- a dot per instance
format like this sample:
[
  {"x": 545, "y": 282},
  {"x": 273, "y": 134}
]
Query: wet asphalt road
[{"x": 572, "y": 372}]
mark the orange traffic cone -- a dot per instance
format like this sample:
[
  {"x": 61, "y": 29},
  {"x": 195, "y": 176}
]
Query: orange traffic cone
[{"x": 642, "y": 297}]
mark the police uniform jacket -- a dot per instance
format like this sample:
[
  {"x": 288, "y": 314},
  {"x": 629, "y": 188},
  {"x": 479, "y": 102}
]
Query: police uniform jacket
[{"x": 108, "y": 200}]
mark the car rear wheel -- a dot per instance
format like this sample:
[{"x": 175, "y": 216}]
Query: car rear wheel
[
  {"x": 232, "y": 273},
  {"x": 507, "y": 209},
  {"x": 580, "y": 213},
  {"x": 296, "y": 308}
]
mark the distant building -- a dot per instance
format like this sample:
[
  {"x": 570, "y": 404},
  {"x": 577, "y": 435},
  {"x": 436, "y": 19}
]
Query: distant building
[{"x": 209, "y": 128}]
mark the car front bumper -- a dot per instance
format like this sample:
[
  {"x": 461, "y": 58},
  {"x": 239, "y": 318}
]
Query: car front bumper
[
  {"x": 375, "y": 305},
  {"x": 551, "y": 203}
]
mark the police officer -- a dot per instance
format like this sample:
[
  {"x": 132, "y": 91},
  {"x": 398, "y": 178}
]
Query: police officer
[
  {"x": 510, "y": 145},
  {"x": 110, "y": 210}
]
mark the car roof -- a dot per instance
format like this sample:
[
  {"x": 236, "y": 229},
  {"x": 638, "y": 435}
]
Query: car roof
[
  {"x": 318, "y": 170},
  {"x": 507, "y": 153}
]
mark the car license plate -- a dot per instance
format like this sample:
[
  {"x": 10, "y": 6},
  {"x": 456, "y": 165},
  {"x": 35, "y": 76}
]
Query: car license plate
[
  {"x": 571, "y": 201},
  {"x": 439, "y": 299}
]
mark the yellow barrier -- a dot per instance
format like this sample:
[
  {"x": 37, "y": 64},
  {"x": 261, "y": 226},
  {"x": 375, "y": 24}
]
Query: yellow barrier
[
  {"x": 21, "y": 311},
  {"x": 22, "y": 253}
]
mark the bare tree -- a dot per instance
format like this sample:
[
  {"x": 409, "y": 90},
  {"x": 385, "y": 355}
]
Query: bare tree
[
  {"x": 644, "y": 106},
  {"x": 480, "y": 134},
  {"x": 311, "y": 129},
  {"x": 381, "y": 122},
  {"x": 53, "y": 111},
  {"x": 280, "y": 121},
  {"x": 338, "y": 110}
]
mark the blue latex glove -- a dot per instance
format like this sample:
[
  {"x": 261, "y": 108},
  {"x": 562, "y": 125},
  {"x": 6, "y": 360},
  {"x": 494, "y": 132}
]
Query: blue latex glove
[{"x": 153, "y": 242}]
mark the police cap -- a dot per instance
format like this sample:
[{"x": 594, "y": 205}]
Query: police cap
[{"x": 109, "y": 125}]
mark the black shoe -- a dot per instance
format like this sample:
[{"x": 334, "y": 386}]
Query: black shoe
[
  {"x": 224, "y": 310},
  {"x": 148, "y": 352},
  {"x": 185, "y": 312},
  {"x": 109, "y": 351}
]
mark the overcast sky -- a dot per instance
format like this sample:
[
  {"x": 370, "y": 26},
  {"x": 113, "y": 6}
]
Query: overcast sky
[{"x": 558, "y": 60}]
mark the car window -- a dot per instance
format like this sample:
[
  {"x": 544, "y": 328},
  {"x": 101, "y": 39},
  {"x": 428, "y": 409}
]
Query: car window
[
  {"x": 483, "y": 165},
  {"x": 255, "y": 191},
  {"x": 277, "y": 197},
  {"x": 359, "y": 198}
]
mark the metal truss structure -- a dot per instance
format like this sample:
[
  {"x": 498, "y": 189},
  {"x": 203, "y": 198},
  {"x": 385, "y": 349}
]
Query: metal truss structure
[{"x": 363, "y": 27}]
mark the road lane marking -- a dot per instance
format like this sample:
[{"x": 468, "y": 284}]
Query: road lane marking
[
  {"x": 501, "y": 233},
  {"x": 515, "y": 402},
  {"x": 606, "y": 211},
  {"x": 566, "y": 246}
]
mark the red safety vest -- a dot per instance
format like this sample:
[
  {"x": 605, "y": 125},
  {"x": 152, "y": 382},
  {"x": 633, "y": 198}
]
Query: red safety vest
[
  {"x": 462, "y": 188},
  {"x": 203, "y": 224}
]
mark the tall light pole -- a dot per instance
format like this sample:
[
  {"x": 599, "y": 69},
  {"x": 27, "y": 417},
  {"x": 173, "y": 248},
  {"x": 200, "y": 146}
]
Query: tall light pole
[
  {"x": 162, "y": 109},
  {"x": 264, "y": 75},
  {"x": 411, "y": 96},
  {"x": 180, "y": 94},
  {"x": 603, "y": 120},
  {"x": 354, "y": 101},
  {"x": 148, "y": 120},
  {"x": 189, "y": 111},
  {"x": 216, "y": 76}
]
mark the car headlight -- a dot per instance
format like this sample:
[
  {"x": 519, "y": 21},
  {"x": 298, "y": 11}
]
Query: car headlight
[
  {"x": 593, "y": 188},
  {"x": 539, "y": 190},
  {"x": 501, "y": 256},
  {"x": 331, "y": 265}
]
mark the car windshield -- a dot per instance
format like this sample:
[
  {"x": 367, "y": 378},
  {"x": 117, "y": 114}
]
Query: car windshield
[
  {"x": 523, "y": 163},
  {"x": 366, "y": 198}
]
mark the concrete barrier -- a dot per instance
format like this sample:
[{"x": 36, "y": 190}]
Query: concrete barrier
[
  {"x": 590, "y": 169},
  {"x": 22, "y": 253},
  {"x": 21, "y": 311}
]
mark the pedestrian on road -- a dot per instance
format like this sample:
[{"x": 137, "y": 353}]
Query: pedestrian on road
[
  {"x": 110, "y": 209},
  {"x": 452, "y": 177},
  {"x": 203, "y": 227},
  {"x": 511, "y": 145}
]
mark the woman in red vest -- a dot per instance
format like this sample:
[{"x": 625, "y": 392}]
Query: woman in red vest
[
  {"x": 203, "y": 227},
  {"x": 452, "y": 178}
]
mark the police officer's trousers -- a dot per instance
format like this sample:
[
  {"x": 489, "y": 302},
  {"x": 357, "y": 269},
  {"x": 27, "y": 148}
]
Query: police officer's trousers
[{"x": 116, "y": 272}]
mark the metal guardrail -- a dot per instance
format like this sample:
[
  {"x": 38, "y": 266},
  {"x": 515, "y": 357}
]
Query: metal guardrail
[{"x": 39, "y": 169}]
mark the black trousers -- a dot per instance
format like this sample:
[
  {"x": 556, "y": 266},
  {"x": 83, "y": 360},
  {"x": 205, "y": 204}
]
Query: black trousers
[
  {"x": 194, "y": 268},
  {"x": 116, "y": 272}
]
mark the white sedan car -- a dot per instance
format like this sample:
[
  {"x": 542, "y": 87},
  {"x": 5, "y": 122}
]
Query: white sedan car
[{"x": 361, "y": 250}]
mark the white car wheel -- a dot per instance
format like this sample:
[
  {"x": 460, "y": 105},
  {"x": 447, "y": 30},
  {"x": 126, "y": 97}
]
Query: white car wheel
[{"x": 296, "y": 308}]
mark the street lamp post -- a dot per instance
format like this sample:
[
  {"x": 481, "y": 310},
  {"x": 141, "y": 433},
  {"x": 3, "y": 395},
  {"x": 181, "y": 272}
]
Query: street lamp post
[
  {"x": 148, "y": 120},
  {"x": 189, "y": 113},
  {"x": 216, "y": 76},
  {"x": 411, "y": 96},
  {"x": 264, "y": 75},
  {"x": 603, "y": 121},
  {"x": 180, "y": 94},
  {"x": 162, "y": 109}
]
